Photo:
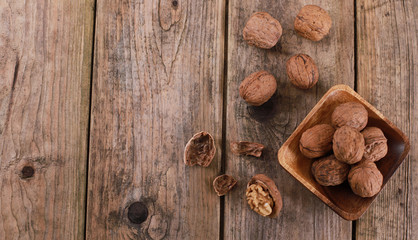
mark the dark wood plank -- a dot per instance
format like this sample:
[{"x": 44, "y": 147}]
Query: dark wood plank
[
  {"x": 45, "y": 67},
  {"x": 157, "y": 80},
  {"x": 274, "y": 122},
  {"x": 387, "y": 73}
]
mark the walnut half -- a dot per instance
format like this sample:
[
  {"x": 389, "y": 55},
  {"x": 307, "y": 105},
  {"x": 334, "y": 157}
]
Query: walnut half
[
  {"x": 263, "y": 196},
  {"x": 247, "y": 148}
]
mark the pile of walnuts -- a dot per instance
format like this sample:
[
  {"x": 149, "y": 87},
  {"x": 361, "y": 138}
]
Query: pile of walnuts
[{"x": 355, "y": 149}]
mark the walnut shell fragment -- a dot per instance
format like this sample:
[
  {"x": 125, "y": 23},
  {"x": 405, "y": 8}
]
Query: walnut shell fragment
[
  {"x": 328, "y": 171},
  {"x": 313, "y": 22},
  {"x": 223, "y": 184},
  {"x": 258, "y": 88},
  {"x": 247, "y": 148},
  {"x": 200, "y": 150},
  {"x": 302, "y": 71},
  {"x": 376, "y": 144},
  {"x": 365, "y": 179},
  {"x": 351, "y": 114},
  {"x": 263, "y": 196},
  {"x": 262, "y": 30},
  {"x": 316, "y": 141},
  {"x": 348, "y": 145}
]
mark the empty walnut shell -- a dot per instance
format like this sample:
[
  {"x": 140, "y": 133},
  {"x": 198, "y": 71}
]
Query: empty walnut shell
[
  {"x": 258, "y": 88},
  {"x": 376, "y": 144},
  {"x": 273, "y": 193},
  {"x": 247, "y": 148},
  {"x": 328, "y": 171},
  {"x": 199, "y": 150},
  {"x": 313, "y": 22},
  {"x": 365, "y": 179},
  {"x": 223, "y": 184},
  {"x": 348, "y": 145},
  {"x": 316, "y": 141},
  {"x": 351, "y": 114},
  {"x": 302, "y": 71},
  {"x": 262, "y": 30}
]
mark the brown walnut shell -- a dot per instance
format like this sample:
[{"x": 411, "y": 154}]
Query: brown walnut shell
[
  {"x": 258, "y": 88},
  {"x": 262, "y": 30},
  {"x": 365, "y": 179},
  {"x": 316, "y": 141},
  {"x": 223, "y": 184},
  {"x": 348, "y": 145},
  {"x": 302, "y": 71},
  {"x": 247, "y": 148},
  {"x": 267, "y": 184},
  {"x": 328, "y": 171},
  {"x": 376, "y": 144},
  {"x": 351, "y": 114},
  {"x": 200, "y": 150},
  {"x": 313, "y": 22}
]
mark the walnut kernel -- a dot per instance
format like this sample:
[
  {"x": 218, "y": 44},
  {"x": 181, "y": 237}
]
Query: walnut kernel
[{"x": 263, "y": 196}]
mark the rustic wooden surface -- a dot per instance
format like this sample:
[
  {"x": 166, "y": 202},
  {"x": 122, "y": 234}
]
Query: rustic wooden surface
[{"x": 164, "y": 70}]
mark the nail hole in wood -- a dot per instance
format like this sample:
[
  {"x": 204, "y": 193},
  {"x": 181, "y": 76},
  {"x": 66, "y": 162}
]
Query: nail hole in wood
[
  {"x": 175, "y": 3},
  {"x": 27, "y": 172},
  {"x": 137, "y": 212}
]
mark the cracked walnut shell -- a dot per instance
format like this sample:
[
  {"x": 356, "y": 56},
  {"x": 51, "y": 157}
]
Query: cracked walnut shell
[
  {"x": 247, "y": 148},
  {"x": 313, "y": 22},
  {"x": 351, "y": 114},
  {"x": 258, "y": 88},
  {"x": 376, "y": 144},
  {"x": 262, "y": 30},
  {"x": 302, "y": 71},
  {"x": 199, "y": 150},
  {"x": 365, "y": 179},
  {"x": 328, "y": 171},
  {"x": 263, "y": 196},
  {"x": 316, "y": 141},
  {"x": 223, "y": 184},
  {"x": 348, "y": 145}
]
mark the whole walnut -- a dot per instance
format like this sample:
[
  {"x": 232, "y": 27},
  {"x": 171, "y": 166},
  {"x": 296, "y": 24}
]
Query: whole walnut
[
  {"x": 313, "y": 22},
  {"x": 376, "y": 144},
  {"x": 263, "y": 196},
  {"x": 351, "y": 114},
  {"x": 258, "y": 88},
  {"x": 316, "y": 141},
  {"x": 200, "y": 150},
  {"x": 328, "y": 171},
  {"x": 348, "y": 145},
  {"x": 302, "y": 71},
  {"x": 365, "y": 179},
  {"x": 262, "y": 30}
]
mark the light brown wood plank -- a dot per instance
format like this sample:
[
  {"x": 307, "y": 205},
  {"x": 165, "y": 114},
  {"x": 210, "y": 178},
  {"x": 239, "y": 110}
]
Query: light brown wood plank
[
  {"x": 303, "y": 215},
  {"x": 157, "y": 80},
  {"x": 45, "y": 67},
  {"x": 387, "y": 73}
]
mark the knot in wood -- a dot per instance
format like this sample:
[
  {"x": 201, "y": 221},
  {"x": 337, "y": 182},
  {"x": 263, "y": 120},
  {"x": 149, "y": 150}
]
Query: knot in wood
[
  {"x": 137, "y": 213},
  {"x": 27, "y": 172}
]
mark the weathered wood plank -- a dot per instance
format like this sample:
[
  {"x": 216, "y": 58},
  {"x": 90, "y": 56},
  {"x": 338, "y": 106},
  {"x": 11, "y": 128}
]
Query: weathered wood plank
[
  {"x": 387, "y": 73},
  {"x": 157, "y": 80},
  {"x": 45, "y": 67},
  {"x": 303, "y": 216}
]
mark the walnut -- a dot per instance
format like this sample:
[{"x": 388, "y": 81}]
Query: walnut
[
  {"x": 263, "y": 196},
  {"x": 365, "y": 179},
  {"x": 262, "y": 30},
  {"x": 328, "y": 171},
  {"x": 258, "y": 88},
  {"x": 351, "y": 114},
  {"x": 223, "y": 184},
  {"x": 316, "y": 141},
  {"x": 348, "y": 145},
  {"x": 302, "y": 71},
  {"x": 313, "y": 22},
  {"x": 247, "y": 148},
  {"x": 376, "y": 144},
  {"x": 199, "y": 150}
]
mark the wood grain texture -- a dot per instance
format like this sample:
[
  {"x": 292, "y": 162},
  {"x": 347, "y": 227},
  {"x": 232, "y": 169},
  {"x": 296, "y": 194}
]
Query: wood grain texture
[
  {"x": 303, "y": 215},
  {"x": 45, "y": 67},
  {"x": 157, "y": 80},
  {"x": 387, "y": 77}
]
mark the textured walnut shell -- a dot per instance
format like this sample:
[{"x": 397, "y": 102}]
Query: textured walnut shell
[
  {"x": 316, "y": 141},
  {"x": 269, "y": 184},
  {"x": 365, "y": 179},
  {"x": 262, "y": 30},
  {"x": 199, "y": 150},
  {"x": 313, "y": 23},
  {"x": 247, "y": 148},
  {"x": 302, "y": 71},
  {"x": 348, "y": 145},
  {"x": 328, "y": 171},
  {"x": 223, "y": 184},
  {"x": 258, "y": 88},
  {"x": 351, "y": 114},
  {"x": 376, "y": 144}
]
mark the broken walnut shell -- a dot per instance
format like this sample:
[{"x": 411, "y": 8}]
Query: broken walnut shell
[
  {"x": 365, "y": 179},
  {"x": 223, "y": 184},
  {"x": 348, "y": 145},
  {"x": 200, "y": 150},
  {"x": 351, "y": 114},
  {"x": 263, "y": 196},
  {"x": 376, "y": 144},
  {"x": 328, "y": 171},
  {"x": 313, "y": 22},
  {"x": 316, "y": 141},
  {"x": 262, "y": 30},
  {"x": 247, "y": 148},
  {"x": 258, "y": 88},
  {"x": 302, "y": 71}
]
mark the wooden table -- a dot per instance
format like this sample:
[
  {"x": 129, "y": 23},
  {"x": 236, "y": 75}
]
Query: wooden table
[{"x": 97, "y": 101}]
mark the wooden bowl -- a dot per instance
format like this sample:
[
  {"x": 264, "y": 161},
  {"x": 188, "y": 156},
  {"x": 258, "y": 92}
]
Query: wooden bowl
[{"x": 340, "y": 198}]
